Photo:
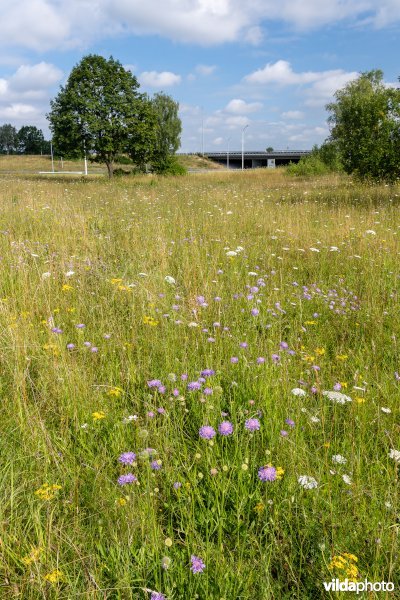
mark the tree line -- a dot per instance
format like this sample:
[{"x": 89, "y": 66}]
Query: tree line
[
  {"x": 364, "y": 140},
  {"x": 27, "y": 140}
]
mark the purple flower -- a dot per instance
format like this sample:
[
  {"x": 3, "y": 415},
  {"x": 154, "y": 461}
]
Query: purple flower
[
  {"x": 128, "y": 478},
  {"x": 252, "y": 424},
  {"x": 127, "y": 458},
  {"x": 243, "y": 344},
  {"x": 154, "y": 383},
  {"x": 234, "y": 360},
  {"x": 207, "y": 432},
  {"x": 155, "y": 465},
  {"x": 260, "y": 360},
  {"x": 337, "y": 387},
  {"x": 177, "y": 485},
  {"x": 255, "y": 312},
  {"x": 284, "y": 345},
  {"x": 225, "y": 428},
  {"x": 80, "y": 326},
  {"x": 267, "y": 473},
  {"x": 87, "y": 344},
  {"x": 275, "y": 358},
  {"x": 161, "y": 410},
  {"x": 94, "y": 349},
  {"x": 56, "y": 330},
  {"x": 70, "y": 346},
  {"x": 175, "y": 392},
  {"x": 193, "y": 385},
  {"x": 208, "y": 391},
  {"x": 184, "y": 376},
  {"x": 207, "y": 372},
  {"x": 150, "y": 414},
  {"x": 162, "y": 389},
  {"x": 284, "y": 433},
  {"x": 290, "y": 422},
  {"x": 157, "y": 596},
  {"x": 197, "y": 564}
]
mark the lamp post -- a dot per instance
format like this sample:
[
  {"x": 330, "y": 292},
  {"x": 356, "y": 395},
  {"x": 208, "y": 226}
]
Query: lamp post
[
  {"x": 243, "y": 130},
  {"x": 227, "y": 155}
]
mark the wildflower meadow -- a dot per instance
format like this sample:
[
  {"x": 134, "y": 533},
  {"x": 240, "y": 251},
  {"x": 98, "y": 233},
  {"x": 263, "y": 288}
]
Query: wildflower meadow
[{"x": 200, "y": 383}]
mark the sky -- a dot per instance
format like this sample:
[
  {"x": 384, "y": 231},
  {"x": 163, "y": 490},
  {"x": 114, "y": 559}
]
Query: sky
[{"x": 271, "y": 65}]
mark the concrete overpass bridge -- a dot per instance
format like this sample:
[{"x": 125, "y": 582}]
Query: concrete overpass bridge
[{"x": 255, "y": 160}]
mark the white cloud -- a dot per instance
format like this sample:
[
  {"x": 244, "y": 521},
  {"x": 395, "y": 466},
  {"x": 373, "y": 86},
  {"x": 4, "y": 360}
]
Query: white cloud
[
  {"x": 280, "y": 73},
  {"x": 293, "y": 114},
  {"x": 45, "y": 24},
  {"x": 18, "y": 111},
  {"x": 205, "y": 69},
  {"x": 218, "y": 141},
  {"x": 240, "y": 107},
  {"x": 159, "y": 79},
  {"x": 322, "y": 84},
  {"x": 239, "y": 121},
  {"x": 37, "y": 77}
]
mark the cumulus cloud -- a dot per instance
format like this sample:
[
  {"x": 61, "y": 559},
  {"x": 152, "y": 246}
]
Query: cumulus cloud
[
  {"x": 321, "y": 84},
  {"x": 36, "y": 77},
  {"x": 240, "y": 107},
  {"x": 159, "y": 79},
  {"x": 293, "y": 114},
  {"x": 46, "y": 24},
  {"x": 205, "y": 69}
]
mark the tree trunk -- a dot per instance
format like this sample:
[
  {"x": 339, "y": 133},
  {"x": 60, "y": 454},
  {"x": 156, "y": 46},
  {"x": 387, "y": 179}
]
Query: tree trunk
[{"x": 110, "y": 169}]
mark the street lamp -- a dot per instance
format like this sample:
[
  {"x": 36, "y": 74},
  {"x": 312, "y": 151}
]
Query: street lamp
[
  {"x": 243, "y": 130},
  {"x": 227, "y": 155}
]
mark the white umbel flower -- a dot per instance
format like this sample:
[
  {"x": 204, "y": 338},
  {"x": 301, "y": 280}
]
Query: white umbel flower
[
  {"x": 339, "y": 459},
  {"x": 337, "y": 397},
  {"x": 169, "y": 279},
  {"x": 395, "y": 454},
  {"x": 307, "y": 482},
  {"x": 299, "y": 392}
]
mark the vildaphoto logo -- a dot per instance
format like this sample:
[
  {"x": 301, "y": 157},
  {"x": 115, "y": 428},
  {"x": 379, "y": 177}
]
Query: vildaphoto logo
[{"x": 358, "y": 586}]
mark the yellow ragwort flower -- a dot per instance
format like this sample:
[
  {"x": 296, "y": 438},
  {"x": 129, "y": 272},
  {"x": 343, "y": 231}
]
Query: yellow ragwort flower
[
  {"x": 47, "y": 492},
  {"x": 97, "y": 416},
  {"x": 55, "y": 576}
]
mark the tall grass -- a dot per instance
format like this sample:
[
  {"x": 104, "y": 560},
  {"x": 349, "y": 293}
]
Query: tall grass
[{"x": 280, "y": 285}]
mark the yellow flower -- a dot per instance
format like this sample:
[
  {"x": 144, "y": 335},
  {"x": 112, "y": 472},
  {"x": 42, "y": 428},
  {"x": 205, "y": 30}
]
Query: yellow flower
[
  {"x": 98, "y": 415},
  {"x": 360, "y": 400},
  {"x": 33, "y": 556},
  {"x": 342, "y": 357},
  {"x": 115, "y": 391},
  {"x": 327, "y": 444},
  {"x": 168, "y": 542},
  {"x": 310, "y": 322},
  {"x": 116, "y": 280},
  {"x": 47, "y": 492},
  {"x": 279, "y": 472},
  {"x": 149, "y": 321},
  {"x": 66, "y": 287},
  {"x": 55, "y": 576},
  {"x": 320, "y": 351},
  {"x": 344, "y": 384},
  {"x": 121, "y": 501},
  {"x": 259, "y": 508},
  {"x": 71, "y": 310}
]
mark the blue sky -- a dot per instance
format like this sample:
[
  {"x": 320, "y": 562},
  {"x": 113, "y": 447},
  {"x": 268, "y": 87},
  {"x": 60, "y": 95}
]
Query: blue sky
[{"x": 268, "y": 64}]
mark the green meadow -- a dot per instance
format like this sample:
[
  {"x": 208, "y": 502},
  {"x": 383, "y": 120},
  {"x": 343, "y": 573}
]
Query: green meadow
[{"x": 199, "y": 387}]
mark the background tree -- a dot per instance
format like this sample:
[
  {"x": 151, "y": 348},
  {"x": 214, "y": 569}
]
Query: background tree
[
  {"x": 97, "y": 111},
  {"x": 8, "y": 139},
  {"x": 30, "y": 140},
  {"x": 365, "y": 126},
  {"x": 168, "y": 131},
  {"x": 142, "y": 140}
]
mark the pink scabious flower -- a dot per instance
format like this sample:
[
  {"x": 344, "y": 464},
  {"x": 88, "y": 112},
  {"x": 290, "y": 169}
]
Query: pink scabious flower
[
  {"x": 252, "y": 424},
  {"x": 197, "y": 564},
  {"x": 207, "y": 432},
  {"x": 267, "y": 473},
  {"x": 128, "y": 478},
  {"x": 225, "y": 428}
]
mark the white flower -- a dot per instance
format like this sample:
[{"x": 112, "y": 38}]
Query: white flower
[
  {"x": 337, "y": 397},
  {"x": 169, "y": 280},
  {"x": 385, "y": 410},
  {"x": 143, "y": 275},
  {"x": 69, "y": 273},
  {"x": 299, "y": 392},
  {"x": 231, "y": 253},
  {"x": 395, "y": 454},
  {"x": 371, "y": 232},
  {"x": 239, "y": 249},
  {"x": 193, "y": 324},
  {"x": 84, "y": 426},
  {"x": 334, "y": 249},
  {"x": 46, "y": 275},
  {"x": 252, "y": 273},
  {"x": 315, "y": 420},
  {"x": 347, "y": 479},
  {"x": 339, "y": 459},
  {"x": 314, "y": 249},
  {"x": 307, "y": 482}
]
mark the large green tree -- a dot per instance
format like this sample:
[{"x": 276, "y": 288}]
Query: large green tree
[
  {"x": 30, "y": 140},
  {"x": 97, "y": 111},
  {"x": 8, "y": 139},
  {"x": 168, "y": 131},
  {"x": 365, "y": 127}
]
